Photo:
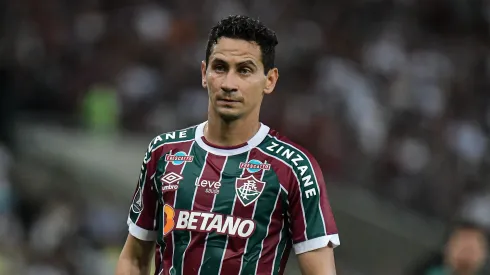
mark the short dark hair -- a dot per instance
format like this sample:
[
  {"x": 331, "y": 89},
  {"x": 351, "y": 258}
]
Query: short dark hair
[
  {"x": 463, "y": 224},
  {"x": 248, "y": 29}
]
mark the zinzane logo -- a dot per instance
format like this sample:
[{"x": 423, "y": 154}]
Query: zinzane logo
[
  {"x": 210, "y": 186},
  {"x": 300, "y": 164},
  {"x": 178, "y": 158},
  {"x": 207, "y": 222}
]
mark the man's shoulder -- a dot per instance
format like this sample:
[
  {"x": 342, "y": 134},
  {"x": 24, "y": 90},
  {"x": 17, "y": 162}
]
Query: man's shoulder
[
  {"x": 180, "y": 135},
  {"x": 172, "y": 137},
  {"x": 281, "y": 146},
  {"x": 302, "y": 164}
]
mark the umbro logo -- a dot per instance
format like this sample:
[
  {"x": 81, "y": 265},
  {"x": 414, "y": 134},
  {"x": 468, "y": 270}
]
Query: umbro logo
[{"x": 170, "y": 181}]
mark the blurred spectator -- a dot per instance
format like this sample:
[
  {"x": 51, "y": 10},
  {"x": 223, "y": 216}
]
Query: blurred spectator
[{"x": 464, "y": 253}]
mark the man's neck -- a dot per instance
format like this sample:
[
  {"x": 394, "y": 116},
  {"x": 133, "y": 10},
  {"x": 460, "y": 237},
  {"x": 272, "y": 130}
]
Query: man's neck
[{"x": 223, "y": 133}]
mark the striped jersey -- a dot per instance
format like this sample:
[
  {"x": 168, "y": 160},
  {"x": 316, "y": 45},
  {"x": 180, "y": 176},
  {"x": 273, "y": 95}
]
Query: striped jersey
[{"x": 234, "y": 210}]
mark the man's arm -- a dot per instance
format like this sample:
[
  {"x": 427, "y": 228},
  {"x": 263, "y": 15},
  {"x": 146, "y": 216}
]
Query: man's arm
[
  {"x": 312, "y": 224},
  {"x": 143, "y": 228},
  {"x": 317, "y": 262},
  {"x": 135, "y": 258}
]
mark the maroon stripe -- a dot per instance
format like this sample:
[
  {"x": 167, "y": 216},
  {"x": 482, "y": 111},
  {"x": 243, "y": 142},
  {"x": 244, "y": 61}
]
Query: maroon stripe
[
  {"x": 236, "y": 246},
  {"x": 146, "y": 219},
  {"x": 271, "y": 241},
  {"x": 290, "y": 183},
  {"x": 203, "y": 202},
  {"x": 326, "y": 209},
  {"x": 169, "y": 198},
  {"x": 266, "y": 260},
  {"x": 296, "y": 211}
]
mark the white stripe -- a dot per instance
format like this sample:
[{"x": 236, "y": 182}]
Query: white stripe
[
  {"x": 232, "y": 209},
  {"x": 141, "y": 233},
  {"x": 253, "y": 215},
  {"x": 277, "y": 249},
  {"x": 214, "y": 200},
  {"x": 267, "y": 230},
  {"x": 192, "y": 208},
  {"x": 284, "y": 189},
  {"x": 175, "y": 200},
  {"x": 314, "y": 175},
  {"x": 316, "y": 243},
  {"x": 299, "y": 186}
]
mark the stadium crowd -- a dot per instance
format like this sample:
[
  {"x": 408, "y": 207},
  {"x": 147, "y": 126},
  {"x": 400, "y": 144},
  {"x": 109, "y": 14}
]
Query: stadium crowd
[{"x": 390, "y": 95}]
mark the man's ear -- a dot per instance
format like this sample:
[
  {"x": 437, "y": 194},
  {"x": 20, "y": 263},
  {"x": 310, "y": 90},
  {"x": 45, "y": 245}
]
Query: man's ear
[
  {"x": 271, "y": 81},
  {"x": 203, "y": 75}
]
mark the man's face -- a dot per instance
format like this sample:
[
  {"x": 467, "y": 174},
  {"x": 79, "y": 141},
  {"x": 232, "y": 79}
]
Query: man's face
[
  {"x": 466, "y": 250},
  {"x": 235, "y": 78}
]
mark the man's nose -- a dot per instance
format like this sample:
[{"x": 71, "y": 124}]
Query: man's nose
[{"x": 229, "y": 83}]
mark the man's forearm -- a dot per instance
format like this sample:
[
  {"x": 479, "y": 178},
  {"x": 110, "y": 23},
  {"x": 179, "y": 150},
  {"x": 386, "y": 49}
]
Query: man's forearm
[
  {"x": 135, "y": 258},
  {"x": 128, "y": 266}
]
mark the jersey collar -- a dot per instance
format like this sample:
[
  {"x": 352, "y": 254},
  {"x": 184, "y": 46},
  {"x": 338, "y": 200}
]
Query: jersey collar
[{"x": 253, "y": 142}]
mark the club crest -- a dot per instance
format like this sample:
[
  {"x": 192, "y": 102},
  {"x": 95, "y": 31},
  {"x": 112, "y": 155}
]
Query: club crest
[{"x": 248, "y": 189}]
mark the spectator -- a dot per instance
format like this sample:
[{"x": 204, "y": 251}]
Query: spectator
[{"x": 464, "y": 253}]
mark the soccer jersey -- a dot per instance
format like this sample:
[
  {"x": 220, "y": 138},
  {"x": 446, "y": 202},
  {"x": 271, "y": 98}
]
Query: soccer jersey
[{"x": 235, "y": 210}]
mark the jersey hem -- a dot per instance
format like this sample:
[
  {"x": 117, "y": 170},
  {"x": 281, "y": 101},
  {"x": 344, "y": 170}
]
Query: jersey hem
[
  {"x": 316, "y": 243},
  {"x": 141, "y": 233}
]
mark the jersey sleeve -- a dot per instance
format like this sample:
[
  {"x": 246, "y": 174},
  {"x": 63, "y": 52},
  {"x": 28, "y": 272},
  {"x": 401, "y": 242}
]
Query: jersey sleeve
[
  {"x": 312, "y": 223},
  {"x": 142, "y": 214}
]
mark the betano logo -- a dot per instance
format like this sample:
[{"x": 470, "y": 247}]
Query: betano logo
[
  {"x": 207, "y": 222},
  {"x": 179, "y": 158}
]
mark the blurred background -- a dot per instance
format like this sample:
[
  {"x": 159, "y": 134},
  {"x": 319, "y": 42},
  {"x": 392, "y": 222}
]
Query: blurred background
[{"x": 391, "y": 96}]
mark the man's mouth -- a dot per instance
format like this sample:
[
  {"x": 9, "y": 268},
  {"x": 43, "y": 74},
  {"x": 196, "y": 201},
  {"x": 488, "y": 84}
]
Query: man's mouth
[{"x": 228, "y": 100}]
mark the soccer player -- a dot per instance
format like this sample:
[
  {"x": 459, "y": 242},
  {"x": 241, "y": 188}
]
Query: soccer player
[{"x": 230, "y": 196}]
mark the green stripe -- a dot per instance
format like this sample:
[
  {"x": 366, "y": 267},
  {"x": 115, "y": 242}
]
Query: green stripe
[
  {"x": 184, "y": 200},
  {"x": 216, "y": 244},
  {"x": 265, "y": 206},
  {"x": 297, "y": 160},
  {"x": 285, "y": 237}
]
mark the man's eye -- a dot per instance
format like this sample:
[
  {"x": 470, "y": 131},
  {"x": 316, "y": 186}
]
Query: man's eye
[
  {"x": 245, "y": 71},
  {"x": 219, "y": 68}
]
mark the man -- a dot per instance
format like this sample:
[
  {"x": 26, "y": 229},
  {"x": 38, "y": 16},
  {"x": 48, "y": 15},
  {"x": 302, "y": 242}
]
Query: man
[
  {"x": 230, "y": 196},
  {"x": 465, "y": 253}
]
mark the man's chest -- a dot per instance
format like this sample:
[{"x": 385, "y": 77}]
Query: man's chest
[{"x": 202, "y": 182}]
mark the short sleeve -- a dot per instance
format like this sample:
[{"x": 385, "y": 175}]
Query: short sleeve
[
  {"x": 311, "y": 219},
  {"x": 142, "y": 214}
]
